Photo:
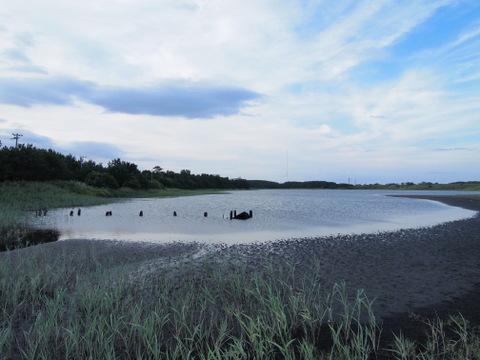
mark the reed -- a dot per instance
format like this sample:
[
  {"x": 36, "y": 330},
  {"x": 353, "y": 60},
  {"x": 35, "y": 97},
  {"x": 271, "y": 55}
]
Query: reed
[{"x": 90, "y": 306}]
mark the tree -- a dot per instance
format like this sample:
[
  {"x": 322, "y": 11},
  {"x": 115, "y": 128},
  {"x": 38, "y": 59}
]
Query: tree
[
  {"x": 122, "y": 171},
  {"x": 101, "y": 180}
]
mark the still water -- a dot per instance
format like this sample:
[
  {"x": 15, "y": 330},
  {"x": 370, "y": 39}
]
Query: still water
[{"x": 277, "y": 214}]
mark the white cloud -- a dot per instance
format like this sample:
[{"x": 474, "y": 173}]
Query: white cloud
[{"x": 303, "y": 57}]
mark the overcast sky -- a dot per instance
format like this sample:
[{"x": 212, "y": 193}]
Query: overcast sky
[{"x": 367, "y": 90}]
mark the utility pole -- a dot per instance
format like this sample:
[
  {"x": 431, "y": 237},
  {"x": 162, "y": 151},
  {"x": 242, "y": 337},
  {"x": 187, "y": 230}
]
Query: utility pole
[
  {"x": 81, "y": 160},
  {"x": 16, "y": 136}
]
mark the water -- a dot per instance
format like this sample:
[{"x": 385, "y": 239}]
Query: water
[{"x": 277, "y": 214}]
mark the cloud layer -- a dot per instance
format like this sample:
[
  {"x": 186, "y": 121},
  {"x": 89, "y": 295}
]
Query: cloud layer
[
  {"x": 183, "y": 100},
  {"x": 376, "y": 91}
]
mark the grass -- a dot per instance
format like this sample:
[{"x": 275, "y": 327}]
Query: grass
[
  {"x": 89, "y": 306},
  {"x": 93, "y": 306}
]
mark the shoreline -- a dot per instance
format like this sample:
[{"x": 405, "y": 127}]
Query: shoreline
[
  {"x": 430, "y": 271},
  {"x": 469, "y": 202}
]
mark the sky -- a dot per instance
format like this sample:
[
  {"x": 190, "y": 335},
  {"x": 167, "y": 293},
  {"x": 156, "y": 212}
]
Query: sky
[{"x": 359, "y": 91}]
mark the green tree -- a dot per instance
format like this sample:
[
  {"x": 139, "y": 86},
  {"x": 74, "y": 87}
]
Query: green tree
[
  {"x": 101, "y": 180},
  {"x": 122, "y": 171}
]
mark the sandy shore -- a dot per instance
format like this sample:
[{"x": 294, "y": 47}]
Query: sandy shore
[{"x": 426, "y": 270}]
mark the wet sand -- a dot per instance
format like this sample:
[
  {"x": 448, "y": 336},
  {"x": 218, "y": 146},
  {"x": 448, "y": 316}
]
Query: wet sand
[
  {"x": 428, "y": 271},
  {"x": 466, "y": 301}
]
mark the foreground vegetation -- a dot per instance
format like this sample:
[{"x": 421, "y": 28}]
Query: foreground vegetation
[{"x": 92, "y": 306}]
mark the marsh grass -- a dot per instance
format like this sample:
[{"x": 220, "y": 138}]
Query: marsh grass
[
  {"x": 90, "y": 306},
  {"x": 93, "y": 306}
]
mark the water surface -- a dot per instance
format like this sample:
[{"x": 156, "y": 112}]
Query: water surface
[{"x": 277, "y": 214}]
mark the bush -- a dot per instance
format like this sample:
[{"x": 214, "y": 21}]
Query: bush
[
  {"x": 132, "y": 183},
  {"x": 154, "y": 184},
  {"x": 101, "y": 180}
]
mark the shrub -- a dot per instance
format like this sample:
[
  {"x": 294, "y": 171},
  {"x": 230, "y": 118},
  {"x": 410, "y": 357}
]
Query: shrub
[{"x": 101, "y": 180}]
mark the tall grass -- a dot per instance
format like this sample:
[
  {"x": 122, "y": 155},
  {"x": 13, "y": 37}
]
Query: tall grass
[
  {"x": 88, "y": 305},
  {"x": 91, "y": 306}
]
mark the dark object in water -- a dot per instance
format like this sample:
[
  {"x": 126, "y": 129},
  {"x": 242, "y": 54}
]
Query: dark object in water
[
  {"x": 79, "y": 212},
  {"x": 71, "y": 213},
  {"x": 108, "y": 213},
  {"x": 243, "y": 216},
  {"x": 141, "y": 213},
  {"x": 205, "y": 214},
  {"x": 174, "y": 213}
]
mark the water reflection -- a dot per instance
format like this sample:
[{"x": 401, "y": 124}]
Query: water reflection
[{"x": 278, "y": 214}]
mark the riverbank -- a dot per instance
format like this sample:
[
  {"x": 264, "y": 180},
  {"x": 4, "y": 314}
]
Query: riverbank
[
  {"x": 427, "y": 271},
  {"x": 466, "y": 201}
]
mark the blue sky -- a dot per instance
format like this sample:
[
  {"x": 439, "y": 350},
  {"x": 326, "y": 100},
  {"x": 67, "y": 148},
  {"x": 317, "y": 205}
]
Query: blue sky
[{"x": 367, "y": 90}]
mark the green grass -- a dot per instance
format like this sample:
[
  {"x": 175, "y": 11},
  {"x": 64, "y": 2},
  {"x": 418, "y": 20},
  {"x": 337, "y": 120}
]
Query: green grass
[
  {"x": 90, "y": 306},
  {"x": 95, "y": 306}
]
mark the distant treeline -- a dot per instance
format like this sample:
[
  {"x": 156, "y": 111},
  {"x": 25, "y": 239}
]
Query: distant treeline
[
  {"x": 460, "y": 185},
  {"x": 263, "y": 184},
  {"x": 424, "y": 185},
  {"x": 25, "y": 162}
]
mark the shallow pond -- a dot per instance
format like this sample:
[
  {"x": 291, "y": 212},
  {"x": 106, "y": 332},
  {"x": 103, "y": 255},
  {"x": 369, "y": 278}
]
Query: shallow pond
[{"x": 277, "y": 214}]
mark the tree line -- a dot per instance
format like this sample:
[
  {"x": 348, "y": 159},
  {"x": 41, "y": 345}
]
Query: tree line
[
  {"x": 28, "y": 163},
  {"x": 264, "y": 184}
]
